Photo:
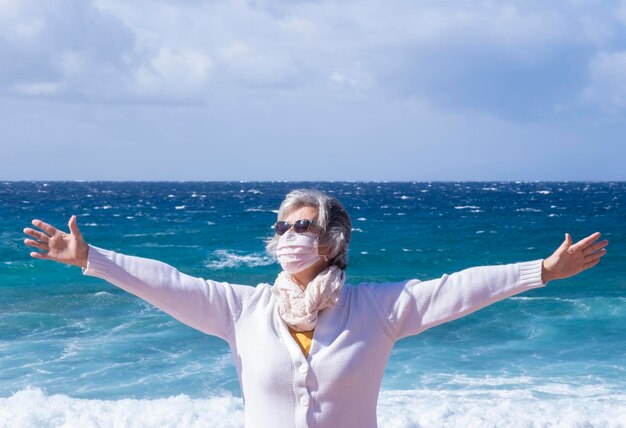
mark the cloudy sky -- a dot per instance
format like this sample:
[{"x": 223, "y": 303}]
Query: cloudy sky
[{"x": 312, "y": 90}]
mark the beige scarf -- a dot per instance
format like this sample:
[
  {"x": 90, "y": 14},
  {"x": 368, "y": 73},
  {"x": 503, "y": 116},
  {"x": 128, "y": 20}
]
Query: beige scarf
[{"x": 298, "y": 307}]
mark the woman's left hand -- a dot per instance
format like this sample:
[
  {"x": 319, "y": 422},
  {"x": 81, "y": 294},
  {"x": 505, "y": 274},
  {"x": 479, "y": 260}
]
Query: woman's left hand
[{"x": 569, "y": 260}]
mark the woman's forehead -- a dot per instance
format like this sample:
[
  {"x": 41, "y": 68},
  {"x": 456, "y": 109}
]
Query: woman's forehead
[{"x": 301, "y": 213}]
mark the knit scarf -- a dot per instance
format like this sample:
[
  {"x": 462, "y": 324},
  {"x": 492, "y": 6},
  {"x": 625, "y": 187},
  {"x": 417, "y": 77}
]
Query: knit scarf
[{"x": 298, "y": 306}]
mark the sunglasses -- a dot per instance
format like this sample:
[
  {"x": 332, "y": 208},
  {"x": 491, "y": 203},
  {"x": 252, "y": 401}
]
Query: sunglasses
[{"x": 300, "y": 226}]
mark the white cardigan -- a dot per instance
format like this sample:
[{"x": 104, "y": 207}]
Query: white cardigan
[{"x": 337, "y": 385}]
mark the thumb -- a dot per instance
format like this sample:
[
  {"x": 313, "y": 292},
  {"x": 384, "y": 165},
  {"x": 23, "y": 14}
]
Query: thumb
[
  {"x": 74, "y": 227},
  {"x": 567, "y": 242}
]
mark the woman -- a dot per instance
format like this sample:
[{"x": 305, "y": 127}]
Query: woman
[{"x": 310, "y": 350}]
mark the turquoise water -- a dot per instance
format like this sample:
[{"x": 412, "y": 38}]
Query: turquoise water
[{"x": 72, "y": 346}]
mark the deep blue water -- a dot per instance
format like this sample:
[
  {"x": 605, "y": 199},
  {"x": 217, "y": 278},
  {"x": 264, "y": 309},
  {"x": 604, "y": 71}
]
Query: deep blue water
[{"x": 79, "y": 337}]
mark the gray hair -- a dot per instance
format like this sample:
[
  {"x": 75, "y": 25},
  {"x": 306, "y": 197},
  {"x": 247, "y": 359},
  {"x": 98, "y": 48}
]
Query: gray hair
[{"x": 332, "y": 218}]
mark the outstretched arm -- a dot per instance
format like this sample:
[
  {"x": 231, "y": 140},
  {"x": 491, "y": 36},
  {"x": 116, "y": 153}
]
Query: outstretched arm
[
  {"x": 411, "y": 307},
  {"x": 209, "y": 306}
]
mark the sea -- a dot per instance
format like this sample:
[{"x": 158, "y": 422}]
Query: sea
[{"x": 75, "y": 351}]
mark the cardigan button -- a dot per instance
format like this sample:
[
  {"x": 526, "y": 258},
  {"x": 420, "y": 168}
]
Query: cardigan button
[
  {"x": 304, "y": 400},
  {"x": 303, "y": 368}
]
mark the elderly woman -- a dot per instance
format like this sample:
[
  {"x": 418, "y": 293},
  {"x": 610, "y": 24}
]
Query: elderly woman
[{"x": 309, "y": 349}]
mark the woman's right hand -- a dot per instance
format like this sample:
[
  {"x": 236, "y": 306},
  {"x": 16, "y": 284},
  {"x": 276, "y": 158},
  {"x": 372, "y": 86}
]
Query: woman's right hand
[{"x": 57, "y": 245}]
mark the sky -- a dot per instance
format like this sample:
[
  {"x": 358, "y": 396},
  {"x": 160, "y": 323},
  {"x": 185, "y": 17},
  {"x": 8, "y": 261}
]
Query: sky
[{"x": 312, "y": 90}]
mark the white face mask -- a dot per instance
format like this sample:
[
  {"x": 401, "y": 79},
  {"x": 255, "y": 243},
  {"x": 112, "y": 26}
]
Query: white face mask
[{"x": 297, "y": 251}]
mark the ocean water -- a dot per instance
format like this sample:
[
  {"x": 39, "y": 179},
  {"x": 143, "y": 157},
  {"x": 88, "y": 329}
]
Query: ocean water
[{"x": 76, "y": 351}]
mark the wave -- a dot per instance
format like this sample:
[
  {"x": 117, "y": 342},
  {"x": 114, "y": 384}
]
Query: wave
[
  {"x": 230, "y": 259},
  {"x": 18, "y": 265},
  {"x": 511, "y": 408},
  {"x": 528, "y": 210},
  {"x": 260, "y": 210},
  {"x": 33, "y": 408},
  {"x": 396, "y": 409},
  {"x": 156, "y": 245}
]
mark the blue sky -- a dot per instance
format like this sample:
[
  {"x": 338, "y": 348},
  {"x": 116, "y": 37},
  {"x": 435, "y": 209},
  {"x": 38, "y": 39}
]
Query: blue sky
[{"x": 312, "y": 90}]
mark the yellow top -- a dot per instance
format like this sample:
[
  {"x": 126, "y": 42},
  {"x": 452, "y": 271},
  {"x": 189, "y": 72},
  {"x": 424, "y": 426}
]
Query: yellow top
[{"x": 303, "y": 339}]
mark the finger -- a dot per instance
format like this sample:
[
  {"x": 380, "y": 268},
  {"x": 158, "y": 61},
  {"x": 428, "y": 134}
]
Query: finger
[
  {"x": 37, "y": 255},
  {"x": 591, "y": 264},
  {"x": 595, "y": 247},
  {"x": 585, "y": 242},
  {"x": 73, "y": 226},
  {"x": 594, "y": 256},
  {"x": 567, "y": 242},
  {"x": 36, "y": 234},
  {"x": 589, "y": 239},
  {"x": 37, "y": 244},
  {"x": 49, "y": 229}
]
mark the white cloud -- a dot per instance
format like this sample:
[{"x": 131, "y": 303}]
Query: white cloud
[
  {"x": 454, "y": 55},
  {"x": 173, "y": 73},
  {"x": 86, "y": 52},
  {"x": 608, "y": 81},
  {"x": 37, "y": 88},
  {"x": 621, "y": 11},
  {"x": 246, "y": 63},
  {"x": 351, "y": 77}
]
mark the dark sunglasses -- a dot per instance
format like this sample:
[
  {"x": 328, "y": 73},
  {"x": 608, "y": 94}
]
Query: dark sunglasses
[{"x": 300, "y": 226}]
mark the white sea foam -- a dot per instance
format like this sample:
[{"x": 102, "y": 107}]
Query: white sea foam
[
  {"x": 506, "y": 408},
  {"x": 229, "y": 259},
  {"x": 396, "y": 409},
  {"x": 32, "y": 408},
  {"x": 467, "y": 207},
  {"x": 102, "y": 294},
  {"x": 260, "y": 210}
]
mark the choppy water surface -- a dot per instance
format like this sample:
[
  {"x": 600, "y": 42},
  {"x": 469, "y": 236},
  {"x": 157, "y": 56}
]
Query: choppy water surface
[{"x": 74, "y": 349}]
